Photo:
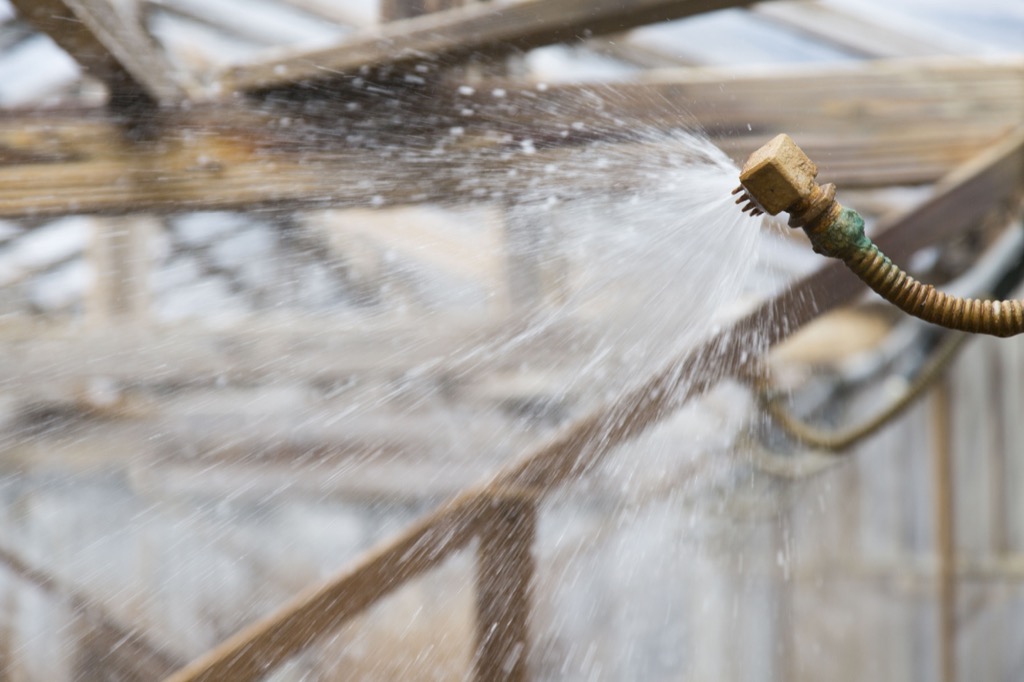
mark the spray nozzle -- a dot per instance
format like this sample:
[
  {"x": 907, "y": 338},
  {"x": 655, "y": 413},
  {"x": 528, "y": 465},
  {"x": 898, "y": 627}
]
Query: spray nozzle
[{"x": 780, "y": 177}]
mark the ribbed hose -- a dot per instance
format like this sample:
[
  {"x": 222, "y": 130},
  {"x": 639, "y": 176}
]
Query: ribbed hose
[
  {"x": 839, "y": 233},
  {"x": 998, "y": 318}
]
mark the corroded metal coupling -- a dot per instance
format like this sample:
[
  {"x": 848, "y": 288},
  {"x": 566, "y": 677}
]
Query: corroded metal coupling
[{"x": 779, "y": 177}]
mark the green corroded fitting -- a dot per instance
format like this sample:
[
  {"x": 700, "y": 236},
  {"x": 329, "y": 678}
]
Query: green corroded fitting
[
  {"x": 841, "y": 237},
  {"x": 779, "y": 177}
]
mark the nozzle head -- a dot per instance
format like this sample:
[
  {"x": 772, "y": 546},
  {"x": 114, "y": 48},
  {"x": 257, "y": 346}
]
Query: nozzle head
[{"x": 779, "y": 176}]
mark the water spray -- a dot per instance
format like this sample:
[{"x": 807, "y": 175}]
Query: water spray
[{"x": 780, "y": 177}]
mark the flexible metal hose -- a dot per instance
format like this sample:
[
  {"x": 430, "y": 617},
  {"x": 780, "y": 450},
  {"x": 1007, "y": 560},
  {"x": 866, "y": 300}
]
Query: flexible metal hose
[
  {"x": 840, "y": 234},
  {"x": 998, "y": 318},
  {"x": 779, "y": 177}
]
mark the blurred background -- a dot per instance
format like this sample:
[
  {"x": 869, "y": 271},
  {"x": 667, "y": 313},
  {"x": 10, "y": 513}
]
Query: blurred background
[{"x": 421, "y": 340}]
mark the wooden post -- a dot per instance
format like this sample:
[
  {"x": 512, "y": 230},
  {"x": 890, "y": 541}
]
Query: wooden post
[
  {"x": 523, "y": 259},
  {"x": 120, "y": 255},
  {"x": 535, "y": 268},
  {"x": 945, "y": 541},
  {"x": 8, "y": 631},
  {"x": 505, "y": 568}
]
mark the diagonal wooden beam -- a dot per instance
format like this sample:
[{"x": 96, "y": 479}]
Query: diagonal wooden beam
[
  {"x": 108, "y": 46},
  {"x": 992, "y": 178},
  {"x": 128, "y": 651},
  {"x": 479, "y": 28}
]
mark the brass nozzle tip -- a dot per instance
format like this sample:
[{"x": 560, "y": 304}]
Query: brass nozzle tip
[{"x": 778, "y": 176}]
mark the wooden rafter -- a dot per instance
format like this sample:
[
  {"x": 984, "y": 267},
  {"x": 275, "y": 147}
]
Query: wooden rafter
[
  {"x": 990, "y": 179},
  {"x": 489, "y": 27},
  {"x": 890, "y": 122},
  {"x": 178, "y": 354},
  {"x": 106, "y": 45}
]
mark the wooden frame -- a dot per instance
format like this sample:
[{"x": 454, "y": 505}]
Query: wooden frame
[
  {"x": 215, "y": 155},
  {"x": 994, "y": 178}
]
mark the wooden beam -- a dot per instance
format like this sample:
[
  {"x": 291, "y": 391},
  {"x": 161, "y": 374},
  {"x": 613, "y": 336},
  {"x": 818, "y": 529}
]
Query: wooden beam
[
  {"x": 889, "y": 122},
  {"x": 197, "y": 164},
  {"x": 109, "y": 47},
  {"x": 111, "y": 652},
  {"x": 360, "y": 459},
  {"x": 278, "y": 350},
  {"x": 318, "y": 610},
  {"x": 393, "y": 10},
  {"x": 991, "y": 179},
  {"x": 128, "y": 651},
  {"x": 494, "y": 64},
  {"x": 638, "y": 52},
  {"x": 504, "y": 583},
  {"x": 884, "y": 97},
  {"x": 944, "y": 518},
  {"x": 486, "y": 27},
  {"x": 120, "y": 253},
  {"x": 265, "y": 25}
]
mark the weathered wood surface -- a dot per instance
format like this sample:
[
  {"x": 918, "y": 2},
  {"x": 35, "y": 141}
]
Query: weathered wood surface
[
  {"x": 108, "y": 47},
  {"x": 901, "y": 122},
  {"x": 944, "y": 514},
  {"x": 989, "y": 180},
  {"x": 504, "y": 578},
  {"x": 488, "y": 27}
]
